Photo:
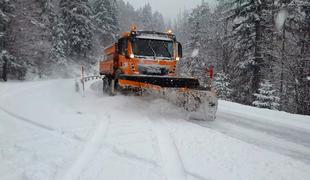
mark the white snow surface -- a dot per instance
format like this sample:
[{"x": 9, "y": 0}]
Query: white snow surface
[
  {"x": 156, "y": 37},
  {"x": 195, "y": 53},
  {"x": 50, "y": 132},
  {"x": 280, "y": 19}
]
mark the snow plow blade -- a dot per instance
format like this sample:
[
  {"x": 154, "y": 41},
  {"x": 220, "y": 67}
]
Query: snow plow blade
[
  {"x": 163, "y": 81},
  {"x": 200, "y": 104}
]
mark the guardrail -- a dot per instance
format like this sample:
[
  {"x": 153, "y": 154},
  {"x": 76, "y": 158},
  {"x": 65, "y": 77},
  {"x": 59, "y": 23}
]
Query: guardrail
[
  {"x": 83, "y": 80},
  {"x": 89, "y": 78}
]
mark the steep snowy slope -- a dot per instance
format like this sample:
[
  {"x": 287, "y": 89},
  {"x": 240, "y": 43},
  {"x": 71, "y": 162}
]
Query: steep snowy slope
[{"x": 47, "y": 131}]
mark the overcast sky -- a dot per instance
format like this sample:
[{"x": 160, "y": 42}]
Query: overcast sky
[{"x": 169, "y": 8}]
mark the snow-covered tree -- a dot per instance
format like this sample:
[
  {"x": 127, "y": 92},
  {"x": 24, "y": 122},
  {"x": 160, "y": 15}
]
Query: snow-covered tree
[
  {"x": 181, "y": 28},
  {"x": 145, "y": 16},
  {"x": 298, "y": 61},
  {"x": 158, "y": 22},
  {"x": 222, "y": 85},
  {"x": 4, "y": 19},
  {"x": 56, "y": 66},
  {"x": 115, "y": 19},
  {"x": 127, "y": 16},
  {"x": 199, "y": 42},
  {"x": 247, "y": 37},
  {"x": 292, "y": 66},
  {"x": 8, "y": 63},
  {"x": 266, "y": 96},
  {"x": 58, "y": 51},
  {"x": 76, "y": 15},
  {"x": 106, "y": 20}
]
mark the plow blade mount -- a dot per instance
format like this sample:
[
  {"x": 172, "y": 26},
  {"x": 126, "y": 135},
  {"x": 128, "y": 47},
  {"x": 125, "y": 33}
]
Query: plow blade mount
[{"x": 163, "y": 81}]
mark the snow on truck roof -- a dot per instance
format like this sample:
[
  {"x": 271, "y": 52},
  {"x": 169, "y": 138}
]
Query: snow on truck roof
[{"x": 154, "y": 36}]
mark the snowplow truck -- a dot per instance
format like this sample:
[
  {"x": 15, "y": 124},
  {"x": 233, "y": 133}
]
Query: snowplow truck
[{"x": 145, "y": 62}]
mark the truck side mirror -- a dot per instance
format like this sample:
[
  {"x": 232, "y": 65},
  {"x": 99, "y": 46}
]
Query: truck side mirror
[{"x": 180, "y": 52}]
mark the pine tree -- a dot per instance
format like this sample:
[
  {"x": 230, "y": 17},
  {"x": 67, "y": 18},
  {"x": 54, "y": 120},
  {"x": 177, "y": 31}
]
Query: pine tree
[
  {"x": 252, "y": 37},
  {"x": 59, "y": 60},
  {"x": 299, "y": 21},
  {"x": 57, "y": 63},
  {"x": 58, "y": 51},
  {"x": 145, "y": 17},
  {"x": 293, "y": 63},
  {"x": 222, "y": 85},
  {"x": 127, "y": 15},
  {"x": 106, "y": 20},
  {"x": 4, "y": 19},
  {"x": 29, "y": 35},
  {"x": 223, "y": 33},
  {"x": 266, "y": 98},
  {"x": 76, "y": 15},
  {"x": 181, "y": 28},
  {"x": 115, "y": 30},
  {"x": 158, "y": 22},
  {"x": 199, "y": 20},
  {"x": 8, "y": 63}
]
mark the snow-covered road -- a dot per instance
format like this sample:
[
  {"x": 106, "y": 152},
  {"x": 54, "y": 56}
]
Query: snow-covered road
[{"x": 47, "y": 131}]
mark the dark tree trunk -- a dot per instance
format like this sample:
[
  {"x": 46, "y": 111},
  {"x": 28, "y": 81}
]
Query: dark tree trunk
[
  {"x": 5, "y": 69},
  {"x": 257, "y": 71}
]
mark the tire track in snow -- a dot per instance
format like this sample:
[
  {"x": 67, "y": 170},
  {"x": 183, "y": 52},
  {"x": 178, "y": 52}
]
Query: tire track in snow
[
  {"x": 172, "y": 162},
  {"x": 35, "y": 124},
  {"x": 131, "y": 156},
  {"x": 26, "y": 120},
  {"x": 196, "y": 176},
  {"x": 90, "y": 149}
]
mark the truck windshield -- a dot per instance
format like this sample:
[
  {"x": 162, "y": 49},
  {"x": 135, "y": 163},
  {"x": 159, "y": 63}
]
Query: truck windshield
[{"x": 153, "y": 48}]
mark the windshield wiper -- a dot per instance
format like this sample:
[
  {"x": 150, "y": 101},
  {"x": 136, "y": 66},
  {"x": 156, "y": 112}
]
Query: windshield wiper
[{"x": 149, "y": 43}]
